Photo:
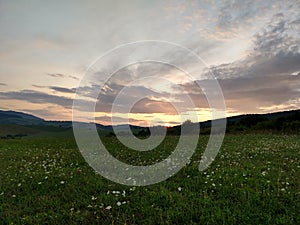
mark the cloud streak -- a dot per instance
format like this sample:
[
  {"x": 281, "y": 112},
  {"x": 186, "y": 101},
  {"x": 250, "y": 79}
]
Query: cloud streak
[{"x": 60, "y": 75}]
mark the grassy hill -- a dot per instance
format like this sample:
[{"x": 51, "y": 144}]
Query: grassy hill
[
  {"x": 11, "y": 131},
  {"x": 21, "y": 125}
]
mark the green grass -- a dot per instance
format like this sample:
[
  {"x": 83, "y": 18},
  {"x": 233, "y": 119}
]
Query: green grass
[{"x": 254, "y": 180}]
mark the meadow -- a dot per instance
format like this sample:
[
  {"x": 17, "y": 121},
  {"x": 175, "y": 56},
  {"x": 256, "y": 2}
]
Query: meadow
[{"x": 253, "y": 180}]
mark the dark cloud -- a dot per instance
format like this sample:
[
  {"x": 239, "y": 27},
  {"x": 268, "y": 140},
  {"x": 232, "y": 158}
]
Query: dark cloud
[
  {"x": 73, "y": 77},
  {"x": 56, "y": 75},
  {"x": 63, "y": 90},
  {"x": 38, "y": 86},
  {"x": 249, "y": 94},
  {"x": 37, "y": 97},
  {"x": 56, "y": 88},
  {"x": 275, "y": 37},
  {"x": 60, "y": 75}
]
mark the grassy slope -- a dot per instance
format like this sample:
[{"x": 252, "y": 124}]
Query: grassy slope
[
  {"x": 32, "y": 131},
  {"x": 254, "y": 180}
]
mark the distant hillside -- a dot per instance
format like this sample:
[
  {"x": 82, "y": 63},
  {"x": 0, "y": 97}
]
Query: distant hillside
[
  {"x": 19, "y": 118},
  {"x": 17, "y": 124},
  {"x": 287, "y": 121},
  {"x": 269, "y": 116}
]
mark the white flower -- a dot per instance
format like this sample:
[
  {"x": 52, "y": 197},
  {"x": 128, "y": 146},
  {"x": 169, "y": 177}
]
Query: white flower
[
  {"x": 119, "y": 203},
  {"x": 132, "y": 189},
  {"x": 179, "y": 188},
  {"x": 94, "y": 198},
  {"x": 19, "y": 184},
  {"x": 108, "y": 207},
  {"x": 62, "y": 182}
]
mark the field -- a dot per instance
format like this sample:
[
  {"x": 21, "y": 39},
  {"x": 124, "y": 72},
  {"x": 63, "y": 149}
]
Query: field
[{"x": 254, "y": 180}]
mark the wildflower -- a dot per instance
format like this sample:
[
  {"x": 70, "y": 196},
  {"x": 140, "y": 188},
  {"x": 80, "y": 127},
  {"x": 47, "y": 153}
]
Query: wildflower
[
  {"x": 62, "y": 182},
  {"x": 132, "y": 189},
  {"x": 179, "y": 188},
  {"x": 108, "y": 207},
  {"x": 119, "y": 203}
]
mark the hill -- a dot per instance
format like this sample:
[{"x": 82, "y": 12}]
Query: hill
[
  {"x": 286, "y": 121},
  {"x": 18, "y": 124},
  {"x": 19, "y": 118}
]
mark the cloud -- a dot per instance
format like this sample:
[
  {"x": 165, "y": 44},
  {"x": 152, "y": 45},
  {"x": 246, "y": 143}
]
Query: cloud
[
  {"x": 43, "y": 113},
  {"x": 56, "y": 88},
  {"x": 275, "y": 51},
  {"x": 276, "y": 37},
  {"x": 73, "y": 77},
  {"x": 39, "y": 86},
  {"x": 266, "y": 77},
  {"x": 37, "y": 97},
  {"x": 147, "y": 105},
  {"x": 249, "y": 94},
  {"x": 116, "y": 119},
  {"x": 56, "y": 75},
  {"x": 63, "y": 90},
  {"x": 60, "y": 75},
  {"x": 3, "y": 84}
]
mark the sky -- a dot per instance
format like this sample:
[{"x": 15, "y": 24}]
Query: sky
[{"x": 48, "y": 49}]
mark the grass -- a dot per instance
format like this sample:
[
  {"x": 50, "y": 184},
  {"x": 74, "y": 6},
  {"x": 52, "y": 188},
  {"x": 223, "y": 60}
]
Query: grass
[{"x": 254, "y": 180}]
